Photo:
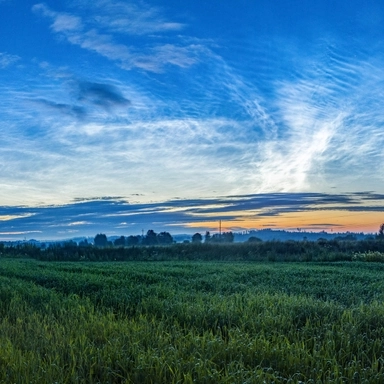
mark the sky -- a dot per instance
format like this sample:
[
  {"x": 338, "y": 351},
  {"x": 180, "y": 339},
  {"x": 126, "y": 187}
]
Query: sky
[{"x": 123, "y": 116}]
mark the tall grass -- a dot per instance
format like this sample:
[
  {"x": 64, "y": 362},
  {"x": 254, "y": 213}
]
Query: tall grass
[{"x": 191, "y": 323}]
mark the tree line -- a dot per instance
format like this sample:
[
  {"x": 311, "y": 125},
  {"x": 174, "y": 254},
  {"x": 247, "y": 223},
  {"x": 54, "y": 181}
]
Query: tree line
[
  {"x": 153, "y": 238},
  {"x": 161, "y": 246},
  {"x": 322, "y": 250}
]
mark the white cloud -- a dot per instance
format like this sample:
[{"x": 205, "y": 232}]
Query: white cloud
[
  {"x": 179, "y": 56},
  {"x": 6, "y": 59},
  {"x": 62, "y": 22},
  {"x": 165, "y": 158},
  {"x": 13, "y": 217},
  {"x": 66, "y": 23},
  {"x": 101, "y": 44},
  {"x": 14, "y": 233},
  {"x": 125, "y": 17},
  {"x": 88, "y": 35},
  {"x": 326, "y": 135},
  {"x": 217, "y": 132}
]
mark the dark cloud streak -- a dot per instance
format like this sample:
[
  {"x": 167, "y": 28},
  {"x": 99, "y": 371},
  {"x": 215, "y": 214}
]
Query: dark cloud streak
[
  {"x": 104, "y": 95},
  {"x": 86, "y": 96},
  {"x": 114, "y": 214},
  {"x": 67, "y": 109}
]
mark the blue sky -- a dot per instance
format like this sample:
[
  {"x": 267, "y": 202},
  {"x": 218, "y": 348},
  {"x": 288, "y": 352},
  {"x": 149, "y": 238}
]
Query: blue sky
[{"x": 118, "y": 116}]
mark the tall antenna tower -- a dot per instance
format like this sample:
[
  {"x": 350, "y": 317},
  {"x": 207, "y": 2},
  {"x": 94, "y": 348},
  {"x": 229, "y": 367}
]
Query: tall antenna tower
[{"x": 220, "y": 228}]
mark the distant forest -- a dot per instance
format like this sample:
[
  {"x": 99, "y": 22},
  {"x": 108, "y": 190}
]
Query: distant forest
[
  {"x": 162, "y": 247},
  {"x": 162, "y": 238}
]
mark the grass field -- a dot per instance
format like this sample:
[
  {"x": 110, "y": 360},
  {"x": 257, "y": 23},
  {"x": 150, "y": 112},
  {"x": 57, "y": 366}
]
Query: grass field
[{"x": 191, "y": 322}]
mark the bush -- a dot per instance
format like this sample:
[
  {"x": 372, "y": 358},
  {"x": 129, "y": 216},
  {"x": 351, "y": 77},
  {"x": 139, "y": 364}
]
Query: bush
[{"x": 370, "y": 256}]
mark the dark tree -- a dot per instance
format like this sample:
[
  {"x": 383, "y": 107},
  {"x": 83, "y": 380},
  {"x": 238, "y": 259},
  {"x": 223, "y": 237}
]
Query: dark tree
[
  {"x": 225, "y": 237},
  {"x": 119, "y": 242},
  {"x": 84, "y": 243},
  {"x": 197, "y": 238},
  {"x": 228, "y": 237},
  {"x": 254, "y": 239},
  {"x": 100, "y": 240},
  {"x": 216, "y": 238},
  {"x": 150, "y": 238},
  {"x": 348, "y": 237},
  {"x": 207, "y": 237},
  {"x": 133, "y": 240},
  {"x": 164, "y": 238},
  {"x": 70, "y": 244}
]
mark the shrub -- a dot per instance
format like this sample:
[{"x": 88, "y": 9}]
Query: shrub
[{"x": 371, "y": 256}]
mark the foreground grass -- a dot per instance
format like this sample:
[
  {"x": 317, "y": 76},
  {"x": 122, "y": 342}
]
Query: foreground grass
[{"x": 191, "y": 322}]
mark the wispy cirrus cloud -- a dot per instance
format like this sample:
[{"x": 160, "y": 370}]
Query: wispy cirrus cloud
[
  {"x": 288, "y": 142},
  {"x": 76, "y": 140},
  {"x": 323, "y": 115},
  {"x": 171, "y": 101},
  {"x": 66, "y": 109},
  {"x": 231, "y": 133},
  {"x": 122, "y": 18},
  {"x": 130, "y": 18},
  {"x": 7, "y": 59},
  {"x": 152, "y": 59},
  {"x": 62, "y": 22}
]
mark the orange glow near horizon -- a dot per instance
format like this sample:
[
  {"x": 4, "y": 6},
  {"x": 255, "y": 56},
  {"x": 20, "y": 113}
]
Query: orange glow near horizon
[{"x": 312, "y": 221}]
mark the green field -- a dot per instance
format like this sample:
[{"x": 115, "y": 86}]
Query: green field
[{"x": 191, "y": 322}]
